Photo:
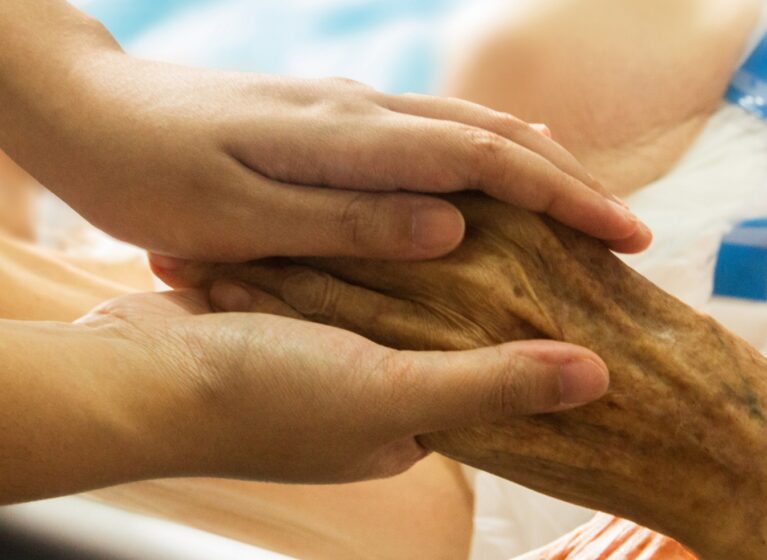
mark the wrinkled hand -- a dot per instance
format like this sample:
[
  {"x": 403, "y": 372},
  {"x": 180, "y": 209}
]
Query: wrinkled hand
[
  {"x": 609, "y": 538},
  {"x": 264, "y": 397},
  {"x": 223, "y": 166}
]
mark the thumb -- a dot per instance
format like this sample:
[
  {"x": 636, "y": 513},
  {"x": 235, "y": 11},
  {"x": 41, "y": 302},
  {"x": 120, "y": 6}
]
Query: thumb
[{"x": 459, "y": 389}]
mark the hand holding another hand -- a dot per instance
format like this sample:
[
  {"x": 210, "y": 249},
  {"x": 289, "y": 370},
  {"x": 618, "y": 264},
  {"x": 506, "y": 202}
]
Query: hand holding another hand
[
  {"x": 226, "y": 166},
  {"x": 255, "y": 396}
]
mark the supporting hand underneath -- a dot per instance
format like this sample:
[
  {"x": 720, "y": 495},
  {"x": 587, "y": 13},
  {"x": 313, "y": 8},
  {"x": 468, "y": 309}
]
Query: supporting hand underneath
[{"x": 276, "y": 398}]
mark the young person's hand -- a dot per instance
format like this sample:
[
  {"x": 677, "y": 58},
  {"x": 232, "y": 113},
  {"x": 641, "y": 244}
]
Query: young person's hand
[
  {"x": 223, "y": 166},
  {"x": 265, "y": 397}
]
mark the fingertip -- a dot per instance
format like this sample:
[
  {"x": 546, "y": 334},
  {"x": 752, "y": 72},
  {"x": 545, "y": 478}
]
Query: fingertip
[
  {"x": 168, "y": 269},
  {"x": 164, "y": 262},
  {"x": 582, "y": 375},
  {"x": 541, "y": 129},
  {"x": 582, "y": 380},
  {"x": 639, "y": 241},
  {"x": 619, "y": 227},
  {"x": 437, "y": 228}
]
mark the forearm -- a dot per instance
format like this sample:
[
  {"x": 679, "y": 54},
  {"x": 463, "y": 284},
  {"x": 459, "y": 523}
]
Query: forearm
[
  {"x": 70, "y": 420},
  {"x": 48, "y": 51}
]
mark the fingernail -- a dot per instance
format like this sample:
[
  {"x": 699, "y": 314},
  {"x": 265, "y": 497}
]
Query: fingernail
[
  {"x": 168, "y": 263},
  {"x": 619, "y": 201},
  {"x": 623, "y": 209},
  {"x": 231, "y": 297},
  {"x": 541, "y": 128},
  {"x": 582, "y": 381},
  {"x": 436, "y": 226},
  {"x": 645, "y": 230}
]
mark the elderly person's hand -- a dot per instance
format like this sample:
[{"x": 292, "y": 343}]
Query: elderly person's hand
[
  {"x": 223, "y": 166},
  {"x": 278, "y": 398},
  {"x": 609, "y": 538}
]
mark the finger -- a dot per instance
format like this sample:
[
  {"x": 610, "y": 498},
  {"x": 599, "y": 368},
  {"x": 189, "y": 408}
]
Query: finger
[
  {"x": 152, "y": 304},
  {"x": 291, "y": 220},
  {"x": 542, "y": 129},
  {"x": 446, "y": 390},
  {"x": 325, "y": 299},
  {"x": 168, "y": 269},
  {"x": 536, "y": 137},
  {"x": 635, "y": 243},
  {"x": 237, "y": 297},
  {"x": 430, "y": 155}
]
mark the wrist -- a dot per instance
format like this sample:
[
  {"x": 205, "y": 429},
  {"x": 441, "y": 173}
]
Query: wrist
[
  {"x": 79, "y": 411},
  {"x": 49, "y": 56}
]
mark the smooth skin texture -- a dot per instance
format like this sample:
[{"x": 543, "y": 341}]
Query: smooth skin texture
[
  {"x": 223, "y": 166},
  {"x": 425, "y": 512}
]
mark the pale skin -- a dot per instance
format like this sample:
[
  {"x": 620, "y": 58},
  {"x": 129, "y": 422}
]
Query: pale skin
[{"x": 145, "y": 151}]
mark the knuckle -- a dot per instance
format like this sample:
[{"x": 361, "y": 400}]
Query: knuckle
[
  {"x": 413, "y": 96},
  {"x": 510, "y": 123},
  {"x": 485, "y": 145},
  {"x": 342, "y": 82},
  {"x": 345, "y": 96},
  {"x": 374, "y": 224},
  {"x": 487, "y": 151},
  {"x": 313, "y": 294},
  {"x": 399, "y": 368},
  {"x": 354, "y": 218},
  {"x": 509, "y": 392}
]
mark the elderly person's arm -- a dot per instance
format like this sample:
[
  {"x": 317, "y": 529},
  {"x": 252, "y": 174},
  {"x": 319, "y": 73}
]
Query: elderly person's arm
[{"x": 678, "y": 442}]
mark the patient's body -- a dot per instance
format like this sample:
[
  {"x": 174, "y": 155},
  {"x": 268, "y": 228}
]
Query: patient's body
[
  {"x": 625, "y": 86},
  {"x": 557, "y": 63}
]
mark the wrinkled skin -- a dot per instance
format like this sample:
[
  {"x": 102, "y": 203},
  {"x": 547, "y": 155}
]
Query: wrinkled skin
[
  {"x": 608, "y": 538},
  {"x": 677, "y": 445}
]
